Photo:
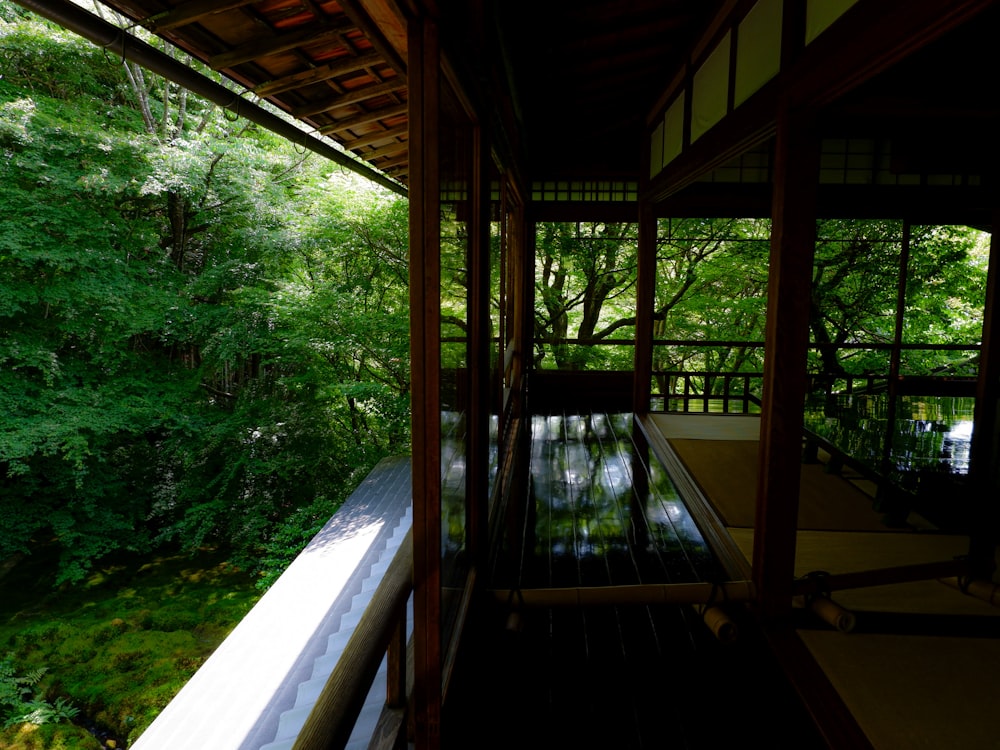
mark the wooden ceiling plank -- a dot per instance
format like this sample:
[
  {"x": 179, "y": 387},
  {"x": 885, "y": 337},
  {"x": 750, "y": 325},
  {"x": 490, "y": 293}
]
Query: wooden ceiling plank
[
  {"x": 363, "y": 119},
  {"x": 351, "y": 97},
  {"x": 190, "y": 12},
  {"x": 318, "y": 74},
  {"x": 281, "y": 43}
]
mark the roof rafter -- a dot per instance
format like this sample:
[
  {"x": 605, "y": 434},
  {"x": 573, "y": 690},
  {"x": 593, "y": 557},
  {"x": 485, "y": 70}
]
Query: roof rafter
[
  {"x": 318, "y": 74},
  {"x": 281, "y": 43}
]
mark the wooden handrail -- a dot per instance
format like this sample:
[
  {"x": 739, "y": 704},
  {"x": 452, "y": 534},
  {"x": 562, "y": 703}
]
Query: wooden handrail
[{"x": 336, "y": 711}]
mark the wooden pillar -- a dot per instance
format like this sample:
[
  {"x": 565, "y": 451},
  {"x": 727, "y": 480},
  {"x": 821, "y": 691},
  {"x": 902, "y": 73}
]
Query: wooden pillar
[
  {"x": 425, "y": 363},
  {"x": 984, "y": 455},
  {"x": 524, "y": 302},
  {"x": 478, "y": 458},
  {"x": 644, "y": 304},
  {"x": 793, "y": 237},
  {"x": 882, "y": 501}
]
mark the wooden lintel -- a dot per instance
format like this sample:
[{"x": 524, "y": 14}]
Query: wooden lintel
[
  {"x": 312, "y": 34},
  {"x": 871, "y": 37},
  {"x": 189, "y": 13},
  {"x": 364, "y": 118},
  {"x": 318, "y": 74},
  {"x": 351, "y": 97}
]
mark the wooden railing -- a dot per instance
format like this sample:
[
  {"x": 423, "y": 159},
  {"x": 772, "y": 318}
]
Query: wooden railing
[
  {"x": 380, "y": 632},
  {"x": 700, "y": 390},
  {"x": 706, "y": 391}
]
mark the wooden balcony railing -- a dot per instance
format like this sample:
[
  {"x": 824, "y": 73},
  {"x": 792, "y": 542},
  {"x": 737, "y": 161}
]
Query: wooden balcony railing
[{"x": 380, "y": 632}]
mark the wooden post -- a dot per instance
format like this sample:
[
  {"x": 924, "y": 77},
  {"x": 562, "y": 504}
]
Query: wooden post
[
  {"x": 425, "y": 358},
  {"x": 395, "y": 688},
  {"x": 984, "y": 454},
  {"x": 477, "y": 462},
  {"x": 793, "y": 237},
  {"x": 884, "y": 500},
  {"x": 644, "y": 303}
]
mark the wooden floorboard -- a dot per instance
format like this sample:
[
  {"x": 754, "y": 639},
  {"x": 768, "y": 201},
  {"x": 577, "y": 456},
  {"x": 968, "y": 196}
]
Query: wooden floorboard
[{"x": 625, "y": 677}]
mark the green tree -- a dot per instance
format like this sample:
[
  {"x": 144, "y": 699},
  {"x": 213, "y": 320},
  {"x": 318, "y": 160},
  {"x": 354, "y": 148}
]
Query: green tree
[
  {"x": 190, "y": 354},
  {"x": 855, "y": 288},
  {"x": 584, "y": 289}
]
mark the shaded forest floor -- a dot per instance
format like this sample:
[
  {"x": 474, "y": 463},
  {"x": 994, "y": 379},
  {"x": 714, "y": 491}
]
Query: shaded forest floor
[{"x": 120, "y": 644}]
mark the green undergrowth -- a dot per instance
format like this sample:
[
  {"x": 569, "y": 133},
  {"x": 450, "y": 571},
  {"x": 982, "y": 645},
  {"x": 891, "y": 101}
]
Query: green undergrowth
[{"x": 119, "y": 645}]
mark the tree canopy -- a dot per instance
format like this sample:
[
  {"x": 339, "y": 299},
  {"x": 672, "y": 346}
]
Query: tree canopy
[
  {"x": 198, "y": 320},
  {"x": 711, "y": 294}
]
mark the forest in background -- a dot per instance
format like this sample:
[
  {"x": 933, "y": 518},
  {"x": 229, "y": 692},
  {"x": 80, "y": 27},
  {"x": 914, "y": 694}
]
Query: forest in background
[
  {"x": 198, "y": 320},
  {"x": 711, "y": 291}
]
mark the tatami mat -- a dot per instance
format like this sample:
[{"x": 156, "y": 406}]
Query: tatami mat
[
  {"x": 726, "y": 470},
  {"x": 708, "y": 426},
  {"x": 907, "y": 690},
  {"x": 915, "y": 692}
]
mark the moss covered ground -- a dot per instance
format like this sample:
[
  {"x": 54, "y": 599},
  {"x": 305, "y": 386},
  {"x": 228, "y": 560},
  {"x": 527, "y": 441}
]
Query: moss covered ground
[{"x": 119, "y": 645}]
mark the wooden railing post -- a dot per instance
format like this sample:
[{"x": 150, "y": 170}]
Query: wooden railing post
[{"x": 395, "y": 688}]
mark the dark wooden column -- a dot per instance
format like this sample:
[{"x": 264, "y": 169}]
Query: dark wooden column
[
  {"x": 425, "y": 364},
  {"x": 984, "y": 458},
  {"x": 644, "y": 303},
  {"x": 884, "y": 501},
  {"x": 793, "y": 237},
  {"x": 478, "y": 459}
]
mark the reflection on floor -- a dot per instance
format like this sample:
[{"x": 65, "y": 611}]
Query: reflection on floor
[
  {"x": 600, "y": 513},
  {"x": 620, "y": 677}
]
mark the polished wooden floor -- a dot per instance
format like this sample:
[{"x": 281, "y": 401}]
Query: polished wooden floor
[{"x": 599, "y": 512}]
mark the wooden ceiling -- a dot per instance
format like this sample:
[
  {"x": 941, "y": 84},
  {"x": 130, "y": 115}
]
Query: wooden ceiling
[
  {"x": 584, "y": 73},
  {"x": 587, "y": 73},
  {"x": 325, "y": 63}
]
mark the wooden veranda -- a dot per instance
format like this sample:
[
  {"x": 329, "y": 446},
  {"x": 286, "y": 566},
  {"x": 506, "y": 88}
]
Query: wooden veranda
[{"x": 494, "y": 116}]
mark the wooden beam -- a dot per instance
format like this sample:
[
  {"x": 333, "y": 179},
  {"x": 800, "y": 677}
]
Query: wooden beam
[
  {"x": 365, "y": 118},
  {"x": 384, "y": 151},
  {"x": 190, "y": 12},
  {"x": 793, "y": 237},
  {"x": 318, "y": 74},
  {"x": 382, "y": 135},
  {"x": 392, "y": 164},
  {"x": 348, "y": 98},
  {"x": 312, "y": 34}
]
